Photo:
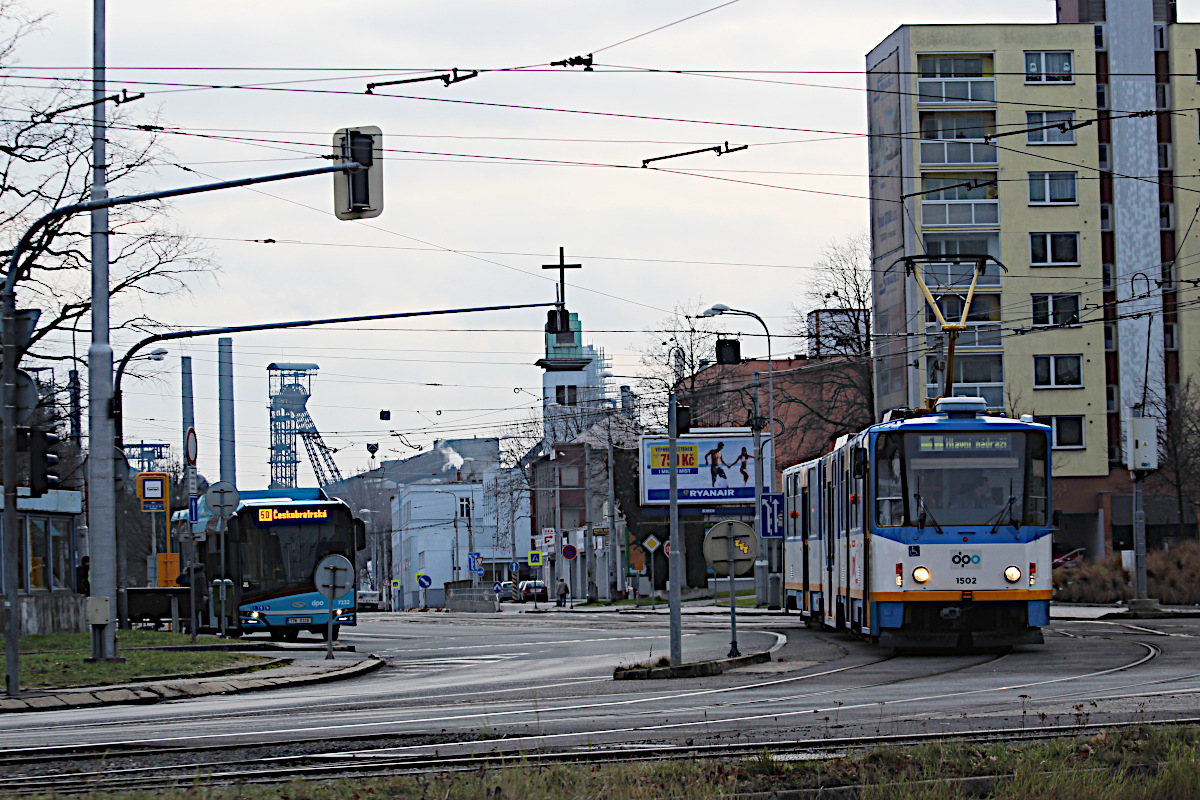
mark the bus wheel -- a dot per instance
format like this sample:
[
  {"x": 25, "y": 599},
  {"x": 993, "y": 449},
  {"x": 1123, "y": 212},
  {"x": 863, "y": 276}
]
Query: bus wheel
[
  {"x": 325, "y": 633},
  {"x": 277, "y": 636},
  {"x": 291, "y": 636}
]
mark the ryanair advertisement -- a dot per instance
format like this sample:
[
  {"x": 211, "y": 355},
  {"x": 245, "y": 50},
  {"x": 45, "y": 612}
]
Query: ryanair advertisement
[
  {"x": 712, "y": 469},
  {"x": 292, "y": 515}
]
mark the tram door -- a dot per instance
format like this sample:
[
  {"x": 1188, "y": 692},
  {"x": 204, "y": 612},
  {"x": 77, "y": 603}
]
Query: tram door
[{"x": 830, "y": 523}]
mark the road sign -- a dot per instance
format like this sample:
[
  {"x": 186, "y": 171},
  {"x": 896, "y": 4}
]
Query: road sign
[
  {"x": 395, "y": 583},
  {"x": 222, "y": 498},
  {"x": 550, "y": 540},
  {"x": 651, "y": 543},
  {"x": 667, "y": 548},
  {"x": 569, "y": 551},
  {"x": 514, "y": 567},
  {"x": 153, "y": 489},
  {"x": 194, "y": 509},
  {"x": 717, "y": 550},
  {"x": 424, "y": 581},
  {"x": 535, "y": 558},
  {"x": 191, "y": 446},
  {"x": 496, "y": 587},
  {"x": 334, "y": 577},
  {"x": 770, "y": 511},
  {"x": 475, "y": 562}
]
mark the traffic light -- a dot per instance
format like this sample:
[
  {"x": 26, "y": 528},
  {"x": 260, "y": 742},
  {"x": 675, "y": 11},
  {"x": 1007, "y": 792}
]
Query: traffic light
[
  {"x": 683, "y": 420},
  {"x": 41, "y": 462},
  {"x": 358, "y": 194},
  {"x": 729, "y": 351}
]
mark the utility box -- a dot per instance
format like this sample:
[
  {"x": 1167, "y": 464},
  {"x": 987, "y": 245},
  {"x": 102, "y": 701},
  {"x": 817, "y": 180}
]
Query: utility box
[
  {"x": 98, "y": 611},
  {"x": 1141, "y": 443},
  {"x": 168, "y": 569}
]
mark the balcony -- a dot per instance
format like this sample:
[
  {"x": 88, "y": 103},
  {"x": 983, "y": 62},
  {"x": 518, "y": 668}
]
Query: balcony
[
  {"x": 976, "y": 336},
  {"x": 956, "y": 152},
  {"x": 992, "y": 393},
  {"x": 960, "y": 213},
  {"x": 944, "y": 91}
]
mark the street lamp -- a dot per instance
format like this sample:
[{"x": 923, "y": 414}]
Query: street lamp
[
  {"x": 716, "y": 311},
  {"x": 720, "y": 309}
]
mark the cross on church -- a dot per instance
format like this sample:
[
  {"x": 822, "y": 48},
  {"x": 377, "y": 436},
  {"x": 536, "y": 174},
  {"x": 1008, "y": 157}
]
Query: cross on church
[{"x": 562, "y": 266}]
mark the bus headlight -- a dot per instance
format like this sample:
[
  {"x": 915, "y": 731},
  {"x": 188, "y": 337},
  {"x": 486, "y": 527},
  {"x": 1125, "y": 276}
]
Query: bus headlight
[
  {"x": 253, "y": 615},
  {"x": 1012, "y": 574},
  {"x": 921, "y": 575}
]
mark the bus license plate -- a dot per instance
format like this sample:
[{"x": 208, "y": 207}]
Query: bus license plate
[{"x": 299, "y": 620}]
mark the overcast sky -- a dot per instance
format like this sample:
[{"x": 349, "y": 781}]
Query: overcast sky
[{"x": 480, "y": 195}]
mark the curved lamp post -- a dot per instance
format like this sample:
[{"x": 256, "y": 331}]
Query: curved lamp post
[{"x": 720, "y": 309}]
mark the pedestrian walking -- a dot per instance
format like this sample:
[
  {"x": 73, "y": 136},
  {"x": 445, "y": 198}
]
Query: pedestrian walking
[
  {"x": 562, "y": 590},
  {"x": 83, "y": 581}
]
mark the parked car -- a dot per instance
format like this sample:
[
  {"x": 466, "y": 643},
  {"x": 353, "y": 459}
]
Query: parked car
[
  {"x": 507, "y": 592},
  {"x": 1070, "y": 559},
  {"x": 534, "y": 590},
  {"x": 370, "y": 601}
]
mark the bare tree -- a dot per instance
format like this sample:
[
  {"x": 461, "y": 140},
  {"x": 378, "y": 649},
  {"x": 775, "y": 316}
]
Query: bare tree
[
  {"x": 681, "y": 354},
  {"x": 1179, "y": 451},
  {"x": 839, "y": 330},
  {"x": 45, "y": 162}
]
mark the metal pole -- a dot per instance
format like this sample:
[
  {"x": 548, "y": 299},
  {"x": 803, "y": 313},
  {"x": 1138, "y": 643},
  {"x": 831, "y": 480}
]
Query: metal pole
[
  {"x": 613, "y": 585},
  {"x": 759, "y": 592},
  {"x": 333, "y": 584},
  {"x": 653, "y": 597},
  {"x": 221, "y": 526},
  {"x": 733, "y": 648},
  {"x": 225, "y": 410},
  {"x": 189, "y": 422},
  {"x": 675, "y": 560},
  {"x": 471, "y": 538},
  {"x": 107, "y": 569},
  {"x": 1139, "y": 537}
]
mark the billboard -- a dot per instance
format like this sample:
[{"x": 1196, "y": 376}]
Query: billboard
[{"x": 713, "y": 468}]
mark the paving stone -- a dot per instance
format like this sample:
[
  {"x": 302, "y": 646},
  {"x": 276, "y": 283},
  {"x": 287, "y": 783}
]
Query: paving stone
[
  {"x": 45, "y": 701},
  {"x": 116, "y": 696},
  {"x": 13, "y": 704}
]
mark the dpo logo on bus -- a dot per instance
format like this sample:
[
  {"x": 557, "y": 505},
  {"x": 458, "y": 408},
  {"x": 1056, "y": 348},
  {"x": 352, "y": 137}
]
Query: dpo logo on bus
[{"x": 967, "y": 559}]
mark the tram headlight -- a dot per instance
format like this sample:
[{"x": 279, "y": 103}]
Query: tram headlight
[
  {"x": 1012, "y": 574},
  {"x": 921, "y": 575}
]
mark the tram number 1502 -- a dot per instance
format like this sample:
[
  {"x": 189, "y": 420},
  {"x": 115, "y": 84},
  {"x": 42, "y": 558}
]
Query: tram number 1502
[{"x": 965, "y": 580}]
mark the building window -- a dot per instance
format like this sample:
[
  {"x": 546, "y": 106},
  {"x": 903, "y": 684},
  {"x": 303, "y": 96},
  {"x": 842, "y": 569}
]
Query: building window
[
  {"x": 1099, "y": 35},
  {"x": 1106, "y": 276},
  {"x": 1164, "y": 155},
  {"x": 1110, "y": 337},
  {"x": 1052, "y": 188},
  {"x": 1170, "y": 336},
  {"x": 1048, "y": 67},
  {"x": 1102, "y": 157},
  {"x": 1055, "y": 309},
  {"x": 1066, "y": 432},
  {"x": 1101, "y": 96},
  {"x": 1054, "y": 249},
  {"x": 952, "y": 66},
  {"x": 566, "y": 395},
  {"x": 1040, "y": 134},
  {"x": 1166, "y": 216},
  {"x": 464, "y": 507},
  {"x": 959, "y": 201},
  {"x": 1112, "y": 398},
  {"x": 955, "y": 79},
  {"x": 949, "y": 273},
  {"x": 1162, "y": 96},
  {"x": 1106, "y": 222},
  {"x": 1057, "y": 372},
  {"x": 568, "y": 476}
]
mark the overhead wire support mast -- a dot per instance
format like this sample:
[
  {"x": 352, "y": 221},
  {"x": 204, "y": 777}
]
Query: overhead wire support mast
[
  {"x": 720, "y": 150},
  {"x": 447, "y": 78},
  {"x": 115, "y": 99}
]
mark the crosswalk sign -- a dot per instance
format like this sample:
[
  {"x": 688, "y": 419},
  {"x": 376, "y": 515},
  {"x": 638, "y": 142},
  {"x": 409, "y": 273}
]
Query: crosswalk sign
[
  {"x": 395, "y": 583},
  {"x": 535, "y": 558}
]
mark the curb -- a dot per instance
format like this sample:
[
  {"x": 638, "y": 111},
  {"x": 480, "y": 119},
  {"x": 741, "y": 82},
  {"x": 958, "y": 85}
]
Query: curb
[
  {"x": 125, "y": 695},
  {"x": 696, "y": 669}
]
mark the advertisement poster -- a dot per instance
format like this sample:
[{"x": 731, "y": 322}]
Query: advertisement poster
[{"x": 713, "y": 469}]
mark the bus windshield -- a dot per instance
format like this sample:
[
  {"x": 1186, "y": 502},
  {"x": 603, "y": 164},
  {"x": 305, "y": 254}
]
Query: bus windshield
[
  {"x": 945, "y": 478},
  {"x": 280, "y": 559}
]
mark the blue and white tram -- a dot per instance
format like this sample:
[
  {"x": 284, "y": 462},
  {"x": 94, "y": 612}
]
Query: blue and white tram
[{"x": 930, "y": 531}]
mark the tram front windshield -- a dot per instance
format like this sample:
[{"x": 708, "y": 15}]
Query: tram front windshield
[
  {"x": 960, "y": 478},
  {"x": 280, "y": 559}
]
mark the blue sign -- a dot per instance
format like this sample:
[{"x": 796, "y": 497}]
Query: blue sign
[
  {"x": 496, "y": 587},
  {"x": 154, "y": 505},
  {"x": 194, "y": 509},
  {"x": 569, "y": 551},
  {"x": 424, "y": 581},
  {"x": 515, "y": 567},
  {"x": 475, "y": 562},
  {"x": 535, "y": 558},
  {"x": 771, "y": 512}
]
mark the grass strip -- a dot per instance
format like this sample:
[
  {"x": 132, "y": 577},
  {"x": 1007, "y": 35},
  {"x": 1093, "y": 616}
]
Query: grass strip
[
  {"x": 56, "y": 642},
  {"x": 66, "y": 669},
  {"x": 1149, "y": 763}
]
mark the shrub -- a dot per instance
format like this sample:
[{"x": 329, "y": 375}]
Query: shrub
[{"x": 1096, "y": 581}]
